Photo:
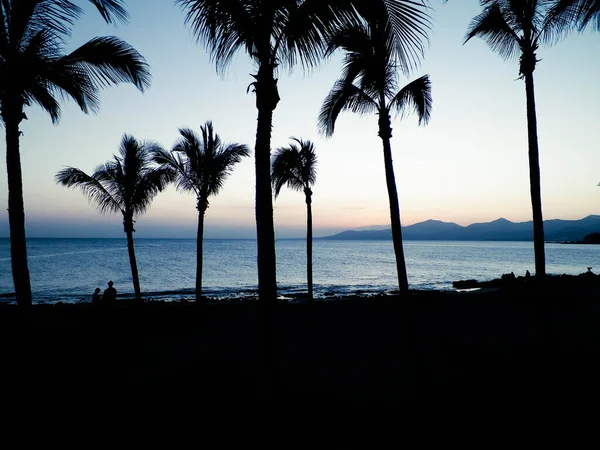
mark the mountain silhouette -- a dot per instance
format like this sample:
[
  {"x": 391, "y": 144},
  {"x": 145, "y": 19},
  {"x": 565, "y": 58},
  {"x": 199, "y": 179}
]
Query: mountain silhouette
[{"x": 555, "y": 230}]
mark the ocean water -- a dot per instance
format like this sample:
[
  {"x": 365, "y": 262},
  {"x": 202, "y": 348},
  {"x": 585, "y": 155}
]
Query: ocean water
[{"x": 69, "y": 270}]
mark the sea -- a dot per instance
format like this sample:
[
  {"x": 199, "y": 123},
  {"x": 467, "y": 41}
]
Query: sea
[{"x": 68, "y": 270}]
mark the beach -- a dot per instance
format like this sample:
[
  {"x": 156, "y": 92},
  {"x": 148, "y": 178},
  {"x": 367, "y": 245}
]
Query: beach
[{"x": 503, "y": 345}]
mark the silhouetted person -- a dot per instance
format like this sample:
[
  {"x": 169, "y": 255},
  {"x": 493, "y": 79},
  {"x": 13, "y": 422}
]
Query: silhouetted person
[
  {"x": 96, "y": 297},
  {"x": 527, "y": 275},
  {"x": 110, "y": 294}
]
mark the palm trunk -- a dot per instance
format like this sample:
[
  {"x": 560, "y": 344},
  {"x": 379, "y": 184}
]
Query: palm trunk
[
  {"x": 267, "y": 98},
  {"x": 199, "y": 254},
  {"x": 133, "y": 263},
  {"x": 16, "y": 212},
  {"x": 534, "y": 180},
  {"x": 385, "y": 132},
  {"x": 309, "y": 277},
  {"x": 266, "y": 101}
]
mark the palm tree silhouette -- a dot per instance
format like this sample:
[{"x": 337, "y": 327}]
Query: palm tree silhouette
[
  {"x": 200, "y": 165},
  {"x": 281, "y": 33},
  {"x": 296, "y": 167},
  {"x": 369, "y": 85},
  {"x": 518, "y": 28},
  {"x": 576, "y": 13},
  {"x": 35, "y": 69},
  {"x": 126, "y": 184}
]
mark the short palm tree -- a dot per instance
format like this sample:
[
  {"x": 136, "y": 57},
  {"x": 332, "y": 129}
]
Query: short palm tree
[
  {"x": 126, "y": 184},
  {"x": 369, "y": 85},
  {"x": 200, "y": 165},
  {"x": 296, "y": 167},
  {"x": 35, "y": 69},
  {"x": 281, "y": 33},
  {"x": 517, "y": 28}
]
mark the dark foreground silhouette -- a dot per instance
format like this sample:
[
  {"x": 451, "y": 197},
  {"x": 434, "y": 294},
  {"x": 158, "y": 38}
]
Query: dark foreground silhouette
[{"x": 514, "y": 347}]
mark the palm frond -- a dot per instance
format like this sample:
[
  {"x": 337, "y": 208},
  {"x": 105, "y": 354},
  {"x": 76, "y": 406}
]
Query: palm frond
[
  {"x": 368, "y": 61},
  {"x": 31, "y": 67},
  {"x": 492, "y": 26},
  {"x": 284, "y": 168},
  {"x": 415, "y": 96},
  {"x": 90, "y": 186},
  {"x": 40, "y": 94},
  {"x": 4, "y": 29},
  {"x": 178, "y": 169},
  {"x": 564, "y": 15},
  {"x": 75, "y": 84},
  {"x": 202, "y": 162},
  {"x": 149, "y": 183},
  {"x": 136, "y": 176},
  {"x": 410, "y": 23},
  {"x": 112, "y": 177},
  {"x": 588, "y": 12},
  {"x": 60, "y": 76},
  {"x": 308, "y": 156},
  {"x": 366, "y": 56},
  {"x": 109, "y": 60},
  {"x": 343, "y": 96},
  {"x": 294, "y": 166},
  {"x": 353, "y": 38},
  {"x": 575, "y": 14},
  {"x": 306, "y": 26},
  {"x": 222, "y": 165},
  {"x": 210, "y": 141},
  {"x": 191, "y": 145},
  {"x": 539, "y": 22},
  {"x": 34, "y": 55},
  {"x": 225, "y": 26},
  {"x": 183, "y": 175},
  {"x": 111, "y": 10},
  {"x": 27, "y": 17}
]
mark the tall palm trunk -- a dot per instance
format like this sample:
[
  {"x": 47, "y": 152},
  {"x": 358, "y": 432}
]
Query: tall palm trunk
[
  {"x": 309, "y": 277},
  {"x": 199, "y": 253},
  {"x": 534, "y": 180},
  {"x": 267, "y": 98},
  {"x": 132, "y": 260},
  {"x": 16, "y": 208},
  {"x": 415, "y": 372},
  {"x": 385, "y": 132}
]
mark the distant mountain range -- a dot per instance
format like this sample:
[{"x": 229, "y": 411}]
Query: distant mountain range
[{"x": 555, "y": 230}]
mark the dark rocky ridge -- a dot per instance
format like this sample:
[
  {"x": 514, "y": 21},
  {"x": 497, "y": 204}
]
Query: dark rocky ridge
[{"x": 497, "y": 230}]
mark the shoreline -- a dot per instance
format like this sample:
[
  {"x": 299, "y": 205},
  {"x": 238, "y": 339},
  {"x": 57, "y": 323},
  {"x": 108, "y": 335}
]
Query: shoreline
[
  {"x": 586, "y": 280},
  {"x": 536, "y": 346}
]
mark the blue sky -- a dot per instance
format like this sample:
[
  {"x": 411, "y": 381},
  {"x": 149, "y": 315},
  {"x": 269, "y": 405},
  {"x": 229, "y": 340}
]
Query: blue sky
[{"x": 469, "y": 164}]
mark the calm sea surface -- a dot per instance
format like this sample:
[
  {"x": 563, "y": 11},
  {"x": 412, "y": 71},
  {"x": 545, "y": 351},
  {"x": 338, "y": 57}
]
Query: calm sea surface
[{"x": 68, "y": 270}]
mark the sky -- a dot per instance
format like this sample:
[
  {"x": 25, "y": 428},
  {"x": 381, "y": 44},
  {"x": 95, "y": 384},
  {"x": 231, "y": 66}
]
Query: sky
[{"x": 469, "y": 164}]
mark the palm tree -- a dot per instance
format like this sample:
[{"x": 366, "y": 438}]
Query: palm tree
[
  {"x": 127, "y": 184},
  {"x": 576, "y": 13},
  {"x": 201, "y": 165},
  {"x": 514, "y": 28},
  {"x": 35, "y": 69},
  {"x": 296, "y": 167},
  {"x": 278, "y": 33},
  {"x": 369, "y": 85}
]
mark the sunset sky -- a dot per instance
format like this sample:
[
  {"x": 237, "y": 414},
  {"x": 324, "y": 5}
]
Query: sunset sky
[{"x": 468, "y": 165}]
